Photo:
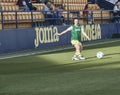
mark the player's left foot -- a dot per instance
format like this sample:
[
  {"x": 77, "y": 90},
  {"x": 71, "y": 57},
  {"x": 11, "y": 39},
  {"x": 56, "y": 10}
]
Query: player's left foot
[{"x": 75, "y": 58}]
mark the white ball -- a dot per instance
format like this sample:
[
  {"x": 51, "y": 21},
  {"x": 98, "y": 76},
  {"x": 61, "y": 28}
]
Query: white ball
[{"x": 100, "y": 54}]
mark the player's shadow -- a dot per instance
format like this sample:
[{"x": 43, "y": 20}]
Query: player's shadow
[
  {"x": 106, "y": 56},
  {"x": 112, "y": 54}
]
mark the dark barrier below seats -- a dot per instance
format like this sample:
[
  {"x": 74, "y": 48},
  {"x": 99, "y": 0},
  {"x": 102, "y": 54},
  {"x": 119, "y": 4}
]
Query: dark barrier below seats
[{"x": 43, "y": 37}]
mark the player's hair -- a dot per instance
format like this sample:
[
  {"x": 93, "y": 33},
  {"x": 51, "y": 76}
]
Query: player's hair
[{"x": 74, "y": 19}]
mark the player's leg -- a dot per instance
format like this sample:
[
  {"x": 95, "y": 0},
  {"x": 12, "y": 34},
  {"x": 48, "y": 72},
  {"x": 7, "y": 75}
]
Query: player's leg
[
  {"x": 77, "y": 52},
  {"x": 74, "y": 43},
  {"x": 80, "y": 50},
  {"x": 77, "y": 49}
]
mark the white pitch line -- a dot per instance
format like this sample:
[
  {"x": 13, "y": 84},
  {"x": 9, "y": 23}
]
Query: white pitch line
[
  {"x": 40, "y": 52},
  {"x": 102, "y": 43}
]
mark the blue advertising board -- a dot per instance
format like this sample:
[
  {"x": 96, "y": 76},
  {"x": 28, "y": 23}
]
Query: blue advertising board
[{"x": 41, "y": 37}]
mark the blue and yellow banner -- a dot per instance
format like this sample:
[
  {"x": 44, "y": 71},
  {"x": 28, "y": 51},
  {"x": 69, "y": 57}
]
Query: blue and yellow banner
[{"x": 44, "y": 37}]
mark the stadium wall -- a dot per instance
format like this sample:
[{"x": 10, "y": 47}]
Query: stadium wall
[{"x": 12, "y": 40}]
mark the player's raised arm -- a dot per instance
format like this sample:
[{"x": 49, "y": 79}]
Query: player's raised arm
[
  {"x": 85, "y": 34},
  {"x": 65, "y": 31}
]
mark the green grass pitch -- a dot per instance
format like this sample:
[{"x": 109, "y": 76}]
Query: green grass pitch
[{"x": 56, "y": 74}]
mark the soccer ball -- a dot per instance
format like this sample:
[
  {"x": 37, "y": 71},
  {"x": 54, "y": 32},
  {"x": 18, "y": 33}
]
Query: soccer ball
[{"x": 100, "y": 54}]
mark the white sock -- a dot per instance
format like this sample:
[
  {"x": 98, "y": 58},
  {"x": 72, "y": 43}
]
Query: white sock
[
  {"x": 79, "y": 55},
  {"x": 75, "y": 55}
]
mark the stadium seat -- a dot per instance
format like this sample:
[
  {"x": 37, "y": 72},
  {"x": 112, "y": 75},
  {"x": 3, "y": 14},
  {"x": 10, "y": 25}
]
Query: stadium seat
[
  {"x": 24, "y": 16},
  {"x": 58, "y": 2},
  {"x": 37, "y": 16},
  {"x": 38, "y": 6},
  {"x": 7, "y": 4},
  {"x": 10, "y": 8},
  {"x": 65, "y": 14},
  {"x": 9, "y": 1},
  {"x": 94, "y": 7},
  {"x": 9, "y": 17},
  {"x": 97, "y": 16},
  {"x": 9, "y": 20},
  {"x": 105, "y": 14},
  {"x": 75, "y": 1},
  {"x": 70, "y": 1},
  {"x": 74, "y": 7},
  {"x": 24, "y": 19}
]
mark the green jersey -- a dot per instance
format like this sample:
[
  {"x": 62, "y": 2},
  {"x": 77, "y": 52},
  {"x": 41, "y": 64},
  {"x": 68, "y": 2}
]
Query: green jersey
[{"x": 76, "y": 33}]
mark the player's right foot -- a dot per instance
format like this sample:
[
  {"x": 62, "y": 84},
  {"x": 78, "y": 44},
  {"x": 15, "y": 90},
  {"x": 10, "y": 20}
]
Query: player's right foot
[
  {"x": 75, "y": 58},
  {"x": 82, "y": 58}
]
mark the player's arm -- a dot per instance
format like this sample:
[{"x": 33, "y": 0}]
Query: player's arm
[
  {"x": 85, "y": 34},
  {"x": 65, "y": 31}
]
